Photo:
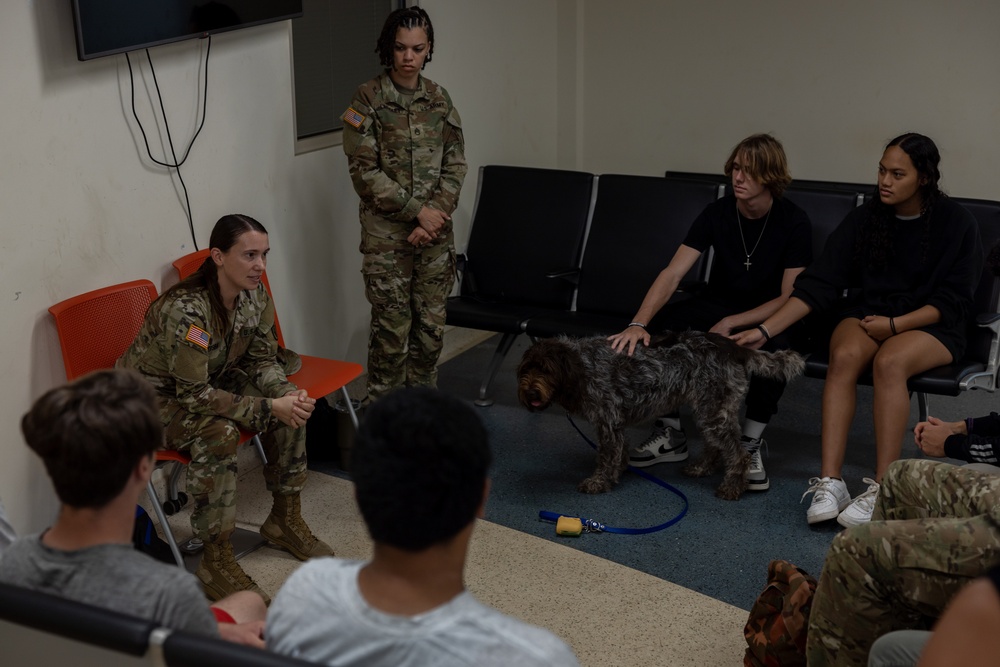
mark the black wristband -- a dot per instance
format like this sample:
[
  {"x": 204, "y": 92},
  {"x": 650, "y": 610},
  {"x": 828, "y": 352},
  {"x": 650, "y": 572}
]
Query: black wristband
[
  {"x": 763, "y": 330},
  {"x": 892, "y": 325}
]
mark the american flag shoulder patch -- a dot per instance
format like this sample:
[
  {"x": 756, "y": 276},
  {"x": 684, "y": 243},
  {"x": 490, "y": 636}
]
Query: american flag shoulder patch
[
  {"x": 198, "y": 336},
  {"x": 353, "y": 118}
]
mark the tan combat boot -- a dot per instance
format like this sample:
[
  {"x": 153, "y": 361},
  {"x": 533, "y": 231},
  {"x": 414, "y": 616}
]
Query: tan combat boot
[
  {"x": 221, "y": 575},
  {"x": 285, "y": 528}
]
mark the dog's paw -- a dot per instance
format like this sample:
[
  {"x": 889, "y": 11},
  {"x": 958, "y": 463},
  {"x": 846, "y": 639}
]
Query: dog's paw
[
  {"x": 594, "y": 485},
  {"x": 728, "y": 493}
]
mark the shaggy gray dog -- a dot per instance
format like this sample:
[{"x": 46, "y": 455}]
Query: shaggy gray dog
[{"x": 612, "y": 390}]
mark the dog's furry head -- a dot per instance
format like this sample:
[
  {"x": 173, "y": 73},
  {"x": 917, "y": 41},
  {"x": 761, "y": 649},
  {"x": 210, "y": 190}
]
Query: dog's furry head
[{"x": 550, "y": 372}]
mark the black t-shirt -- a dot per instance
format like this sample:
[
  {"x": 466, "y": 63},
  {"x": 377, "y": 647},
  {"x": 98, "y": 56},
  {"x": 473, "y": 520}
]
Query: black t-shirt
[{"x": 775, "y": 242}]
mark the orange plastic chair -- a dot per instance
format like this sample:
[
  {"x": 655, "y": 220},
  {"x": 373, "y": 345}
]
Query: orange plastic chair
[
  {"x": 318, "y": 376},
  {"x": 94, "y": 330}
]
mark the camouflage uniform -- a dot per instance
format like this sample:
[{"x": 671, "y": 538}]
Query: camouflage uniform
[
  {"x": 210, "y": 385},
  {"x": 934, "y": 529},
  {"x": 404, "y": 152}
]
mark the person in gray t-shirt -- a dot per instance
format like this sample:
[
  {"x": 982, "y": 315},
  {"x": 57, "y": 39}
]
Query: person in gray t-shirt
[
  {"x": 419, "y": 464},
  {"x": 96, "y": 438}
]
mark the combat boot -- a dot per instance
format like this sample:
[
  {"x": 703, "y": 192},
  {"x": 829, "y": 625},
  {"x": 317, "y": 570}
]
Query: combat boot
[
  {"x": 220, "y": 575},
  {"x": 285, "y": 528}
]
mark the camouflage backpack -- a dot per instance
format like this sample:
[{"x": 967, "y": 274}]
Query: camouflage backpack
[{"x": 779, "y": 618}]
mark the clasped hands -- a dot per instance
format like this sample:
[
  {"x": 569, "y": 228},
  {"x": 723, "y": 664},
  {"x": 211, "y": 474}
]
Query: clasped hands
[
  {"x": 429, "y": 224},
  {"x": 294, "y": 408},
  {"x": 931, "y": 435},
  {"x": 877, "y": 327}
]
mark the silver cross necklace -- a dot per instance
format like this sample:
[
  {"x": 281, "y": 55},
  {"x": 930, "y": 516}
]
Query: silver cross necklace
[{"x": 739, "y": 221}]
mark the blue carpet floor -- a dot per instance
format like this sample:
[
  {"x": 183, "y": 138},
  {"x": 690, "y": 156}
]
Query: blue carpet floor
[{"x": 721, "y": 548}]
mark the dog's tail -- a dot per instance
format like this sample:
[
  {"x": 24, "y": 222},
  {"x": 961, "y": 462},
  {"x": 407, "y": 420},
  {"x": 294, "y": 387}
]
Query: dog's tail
[{"x": 781, "y": 365}]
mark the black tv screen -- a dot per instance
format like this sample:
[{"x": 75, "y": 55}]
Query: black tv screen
[{"x": 106, "y": 27}]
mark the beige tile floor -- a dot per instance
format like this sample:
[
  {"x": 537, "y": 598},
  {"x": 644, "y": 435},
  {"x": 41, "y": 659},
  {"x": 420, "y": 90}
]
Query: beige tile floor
[{"x": 608, "y": 613}]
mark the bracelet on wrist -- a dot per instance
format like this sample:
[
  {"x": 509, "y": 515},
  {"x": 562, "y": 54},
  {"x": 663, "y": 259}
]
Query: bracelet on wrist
[
  {"x": 636, "y": 324},
  {"x": 763, "y": 330},
  {"x": 892, "y": 325}
]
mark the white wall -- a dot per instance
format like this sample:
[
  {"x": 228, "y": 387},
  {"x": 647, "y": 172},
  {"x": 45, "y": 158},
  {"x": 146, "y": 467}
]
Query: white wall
[
  {"x": 674, "y": 85},
  {"x": 81, "y": 207},
  {"x": 636, "y": 86}
]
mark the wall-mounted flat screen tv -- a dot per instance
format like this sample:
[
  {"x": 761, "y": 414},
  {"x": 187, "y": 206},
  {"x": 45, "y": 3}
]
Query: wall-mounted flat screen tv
[{"x": 106, "y": 27}]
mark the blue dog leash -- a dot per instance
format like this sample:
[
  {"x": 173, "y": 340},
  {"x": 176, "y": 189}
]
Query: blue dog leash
[{"x": 593, "y": 526}]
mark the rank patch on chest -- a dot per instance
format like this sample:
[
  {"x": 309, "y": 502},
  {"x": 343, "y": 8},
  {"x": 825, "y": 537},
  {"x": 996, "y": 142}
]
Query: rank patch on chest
[
  {"x": 198, "y": 336},
  {"x": 353, "y": 118}
]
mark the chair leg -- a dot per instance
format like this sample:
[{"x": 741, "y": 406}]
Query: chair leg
[
  {"x": 173, "y": 479},
  {"x": 161, "y": 517},
  {"x": 922, "y": 405},
  {"x": 260, "y": 449},
  {"x": 503, "y": 347},
  {"x": 350, "y": 407}
]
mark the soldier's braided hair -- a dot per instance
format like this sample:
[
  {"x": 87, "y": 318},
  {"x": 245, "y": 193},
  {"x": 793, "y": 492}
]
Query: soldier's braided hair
[
  {"x": 410, "y": 18},
  {"x": 224, "y": 235}
]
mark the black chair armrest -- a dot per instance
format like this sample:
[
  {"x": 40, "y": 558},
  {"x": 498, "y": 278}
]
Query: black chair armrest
[
  {"x": 75, "y": 620},
  {"x": 571, "y": 275},
  {"x": 988, "y": 319},
  {"x": 692, "y": 286},
  {"x": 188, "y": 650}
]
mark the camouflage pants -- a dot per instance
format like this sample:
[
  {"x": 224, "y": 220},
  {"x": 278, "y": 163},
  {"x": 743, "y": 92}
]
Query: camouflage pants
[
  {"x": 211, "y": 477},
  {"x": 934, "y": 529},
  {"x": 407, "y": 288}
]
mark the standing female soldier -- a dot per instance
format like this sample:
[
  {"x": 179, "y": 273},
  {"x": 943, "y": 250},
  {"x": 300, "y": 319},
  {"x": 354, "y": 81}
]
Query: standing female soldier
[
  {"x": 406, "y": 155},
  {"x": 208, "y": 346}
]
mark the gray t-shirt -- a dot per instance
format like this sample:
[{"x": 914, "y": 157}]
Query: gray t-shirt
[
  {"x": 321, "y": 616},
  {"x": 112, "y": 576},
  {"x": 7, "y": 535}
]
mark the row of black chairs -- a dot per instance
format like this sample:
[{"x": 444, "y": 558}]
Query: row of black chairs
[
  {"x": 556, "y": 252},
  {"x": 42, "y": 629}
]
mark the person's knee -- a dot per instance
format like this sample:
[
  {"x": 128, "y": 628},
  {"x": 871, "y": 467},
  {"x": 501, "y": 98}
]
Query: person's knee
[
  {"x": 889, "y": 366},
  {"x": 898, "y": 649},
  {"x": 223, "y": 436},
  {"x": 904, "y": 469},
  {"x": 846, "y": 360},
  {"x": 243, "y": 606}
]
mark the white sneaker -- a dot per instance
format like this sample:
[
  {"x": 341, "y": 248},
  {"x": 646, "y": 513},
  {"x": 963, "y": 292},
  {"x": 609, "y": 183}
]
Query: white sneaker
[
  {"x": 756, "y": 475},
  {"x": 664, "y": 444},
  {"x": 860, "y": 510},
  {"x": 830, "y": 497}
]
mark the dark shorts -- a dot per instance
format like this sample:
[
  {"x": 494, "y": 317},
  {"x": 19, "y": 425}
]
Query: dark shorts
[{"x": 946, "y": 334}]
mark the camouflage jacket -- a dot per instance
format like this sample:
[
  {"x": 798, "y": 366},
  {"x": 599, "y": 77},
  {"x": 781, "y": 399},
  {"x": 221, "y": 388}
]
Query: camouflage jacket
[
  {"x": 178, "y": 351},
  {"x": 403, "y": 154}
]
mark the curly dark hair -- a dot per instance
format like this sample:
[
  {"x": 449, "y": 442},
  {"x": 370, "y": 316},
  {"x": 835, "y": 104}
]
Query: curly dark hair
[
  {"x": 419, "y": 464},
  {"x": 409, "y": 18},
  {"x": 875, "y": 239}
]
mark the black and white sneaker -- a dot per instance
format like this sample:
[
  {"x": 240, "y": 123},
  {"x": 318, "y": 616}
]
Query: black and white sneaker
[
  {"x": 756, "y": 475},
  {"x": 664, "y": 445}
]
